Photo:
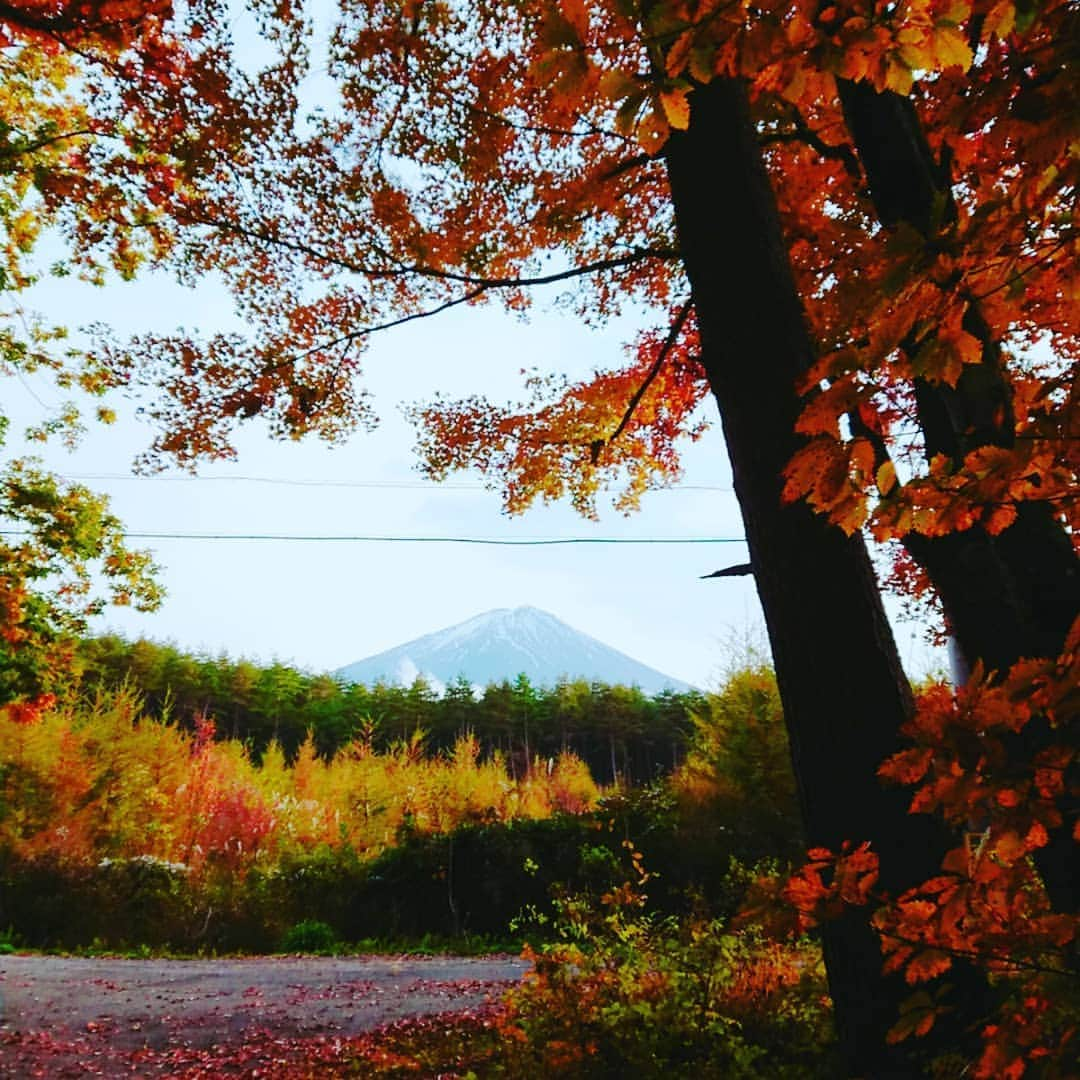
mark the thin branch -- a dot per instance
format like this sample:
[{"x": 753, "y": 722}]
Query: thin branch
[
  {"x": 1007, "y": 959},
  {"x": 544, "y": 129},
  {"x": 13, "y": 151},
  {"x": 357, "y": 335},
  {"x": 665, "y": 349},
  {"x": 1027, "y": 270},
  {"x": 628, "y": 164},
  {"x": 406, "y": 270},
  {"x": 804, "y": 133}
]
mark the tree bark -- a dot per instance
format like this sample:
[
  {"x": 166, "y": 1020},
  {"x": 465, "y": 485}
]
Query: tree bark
[{"x": 841, "y": 683}]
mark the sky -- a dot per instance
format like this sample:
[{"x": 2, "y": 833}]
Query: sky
[{"x": 321, "y": 605}]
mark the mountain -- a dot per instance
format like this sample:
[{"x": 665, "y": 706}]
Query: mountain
[{"x": 502, "y": 644}]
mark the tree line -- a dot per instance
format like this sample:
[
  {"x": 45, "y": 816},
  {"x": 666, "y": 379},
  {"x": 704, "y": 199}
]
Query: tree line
[{"x": 620, "y": 732}]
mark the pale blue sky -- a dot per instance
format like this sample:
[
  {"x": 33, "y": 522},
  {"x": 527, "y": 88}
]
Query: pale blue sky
[{"x": 322, "y": 605}]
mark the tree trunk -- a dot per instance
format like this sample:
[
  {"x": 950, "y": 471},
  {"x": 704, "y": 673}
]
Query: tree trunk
[
  {"x": 1009, "y": 596},
  {"x": 841, "y": 683}
]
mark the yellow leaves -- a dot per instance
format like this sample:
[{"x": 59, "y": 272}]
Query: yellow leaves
[
  {"x": 702, "y": 64},
  {"x": 563, "y": 65},
  {"x": 917, "y": 1015},
  {"x": 942, "y": 358},
  {"x": 899, "y": 78},
  {"x": 646, "y": 112},
  {"x": 617, "y": 85},
  {"x": 885, "y": 477},
  {"x": 951, "y": 49},
  {"x": 557, "y": 32},
  {"x": 676, "y": 107},
  {"x": 23, "y": 230}
]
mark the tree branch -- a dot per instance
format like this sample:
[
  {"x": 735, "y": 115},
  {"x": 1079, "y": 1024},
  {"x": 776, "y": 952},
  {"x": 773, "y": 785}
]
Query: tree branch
[
  {"x": 739, "y": 570},
  {"x": 665, "y": 349},
  {"x": 802, "y": 132},
  {"x": 13, "y": 151},
  {"x": 406, "y": 270},
  {"x": 72, "y": 19}
]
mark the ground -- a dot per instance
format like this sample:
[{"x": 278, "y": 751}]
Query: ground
[{"x": 65, "y": 1016}]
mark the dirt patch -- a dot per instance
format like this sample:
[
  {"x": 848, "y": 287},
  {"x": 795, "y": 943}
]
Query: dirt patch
[{"x": 107, "y": 1017}]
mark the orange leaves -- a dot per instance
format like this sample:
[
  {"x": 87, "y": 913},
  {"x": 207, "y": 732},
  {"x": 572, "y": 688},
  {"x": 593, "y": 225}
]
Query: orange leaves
[
  {"x": 999, "y": 20},
  {"x": 997, "y": 760},
  {"x": 924, "y": 966},
  {"x": 917, "y": 1016},
  {"x": 892, "y": 51},
  {"x": 943, "y": 356},
  {"x": 28, "y": 712},
  {"x": 907, "y": 766},
  {"x": 676, "y": 107},
  {"x": 104, "y": 781},
  {"x": 563, "y": 441},
  {"x": 830, "y": 881},
  {"x": 832, "y": 476}
]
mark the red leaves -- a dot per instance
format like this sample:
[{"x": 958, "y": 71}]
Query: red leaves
[
  {"x": 28, "y": 712},
  {"x": 831, "y": 881},
  {"x": 926, "y": 965},
  {"x": 970, "y": 763}
]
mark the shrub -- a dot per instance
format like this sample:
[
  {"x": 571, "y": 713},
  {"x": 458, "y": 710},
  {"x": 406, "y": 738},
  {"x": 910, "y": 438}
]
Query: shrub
[
  {"x": 631, "y": 993},
  {"x": 310, "y": 936}
]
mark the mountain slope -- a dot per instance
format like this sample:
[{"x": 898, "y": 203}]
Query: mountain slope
[{"x": 503, "y": 643}]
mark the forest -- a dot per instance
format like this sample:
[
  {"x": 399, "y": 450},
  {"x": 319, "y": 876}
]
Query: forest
[
  {"x": 851, "y": 231},
  {"x": 620, "y": 733}
]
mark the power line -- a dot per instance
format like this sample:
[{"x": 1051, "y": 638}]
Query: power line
[
  {"x": 544, "y": 541},
  {"x": 408, "y": 485}
]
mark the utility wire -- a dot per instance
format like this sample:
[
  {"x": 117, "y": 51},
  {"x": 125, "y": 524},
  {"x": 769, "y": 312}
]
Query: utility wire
[
  {"x": 411, "y": 485},
  {"x": 492, "y": 541}
]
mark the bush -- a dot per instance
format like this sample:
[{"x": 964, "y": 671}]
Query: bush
[
  {"x": 627, "y": 993},
  {"x": 119, "y": 903},
  {"x": 310, "y": 936},
  {"x": 631, "y": 993}
]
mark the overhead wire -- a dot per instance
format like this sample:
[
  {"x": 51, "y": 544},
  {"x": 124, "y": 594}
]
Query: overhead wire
[
  {"x": 408, "y": 485},
  {"x": 544, "y": 541}
]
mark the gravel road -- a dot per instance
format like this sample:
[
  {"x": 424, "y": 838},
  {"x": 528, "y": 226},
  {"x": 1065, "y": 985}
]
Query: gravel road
[{"x": 154, "y": 1005}]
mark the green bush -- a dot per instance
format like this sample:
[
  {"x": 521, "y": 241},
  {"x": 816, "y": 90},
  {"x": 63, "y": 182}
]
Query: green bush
[
  {"x": 630, "y": 993},
  {"x": 310, "y": 936},
  {"x": 119, "y": 904}
]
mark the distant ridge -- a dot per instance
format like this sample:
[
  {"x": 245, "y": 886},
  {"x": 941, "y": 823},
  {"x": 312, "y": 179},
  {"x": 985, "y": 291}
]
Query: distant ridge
[{"x": 502, "y": 644}]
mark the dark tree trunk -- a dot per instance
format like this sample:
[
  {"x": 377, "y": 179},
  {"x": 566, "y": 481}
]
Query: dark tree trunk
[
  {"x": 843, "y": 690},
  {"x": 1009, "y": 596}
]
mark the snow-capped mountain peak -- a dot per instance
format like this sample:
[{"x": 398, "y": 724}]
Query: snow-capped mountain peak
[{"x": 502, "y": 644}]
